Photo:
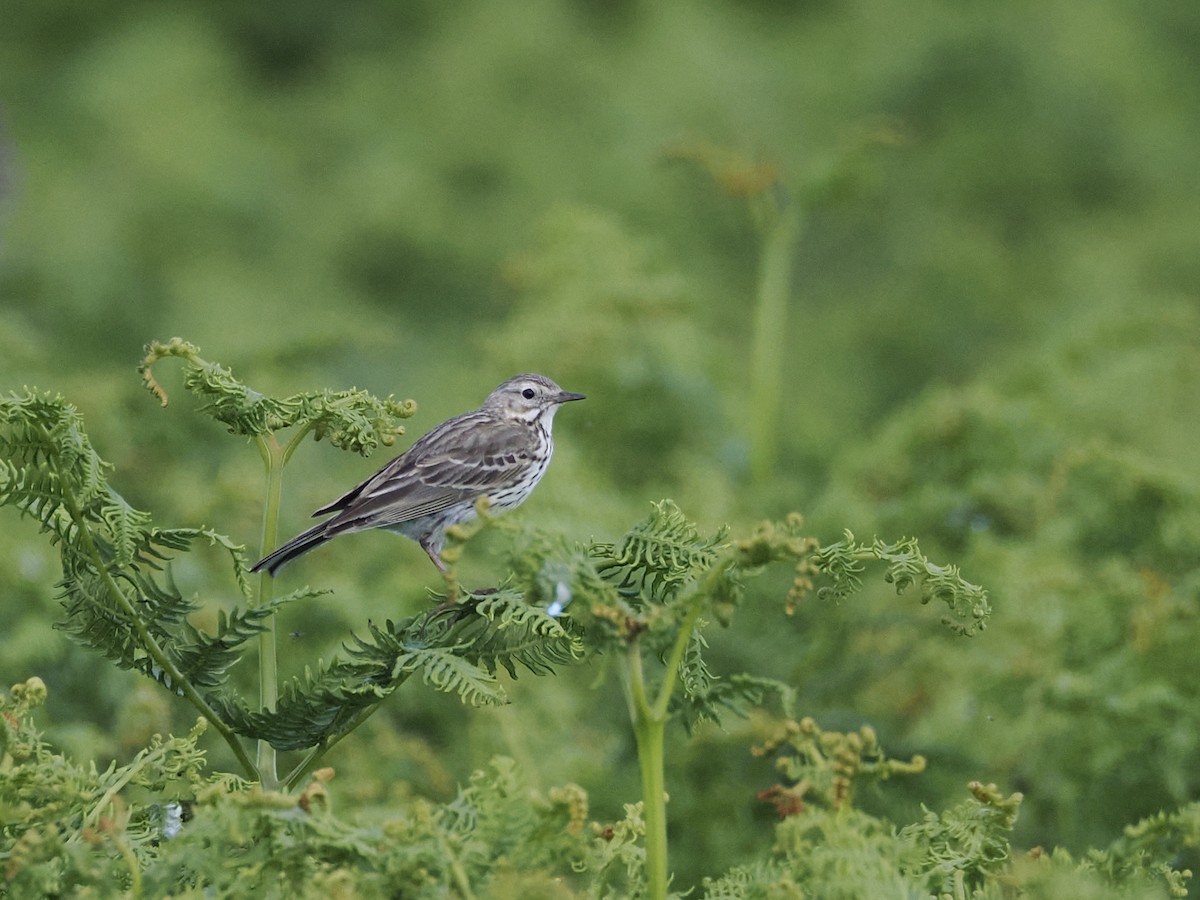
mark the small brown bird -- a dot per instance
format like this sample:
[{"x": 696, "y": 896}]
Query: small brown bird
[{"x": 499, "y": 451}]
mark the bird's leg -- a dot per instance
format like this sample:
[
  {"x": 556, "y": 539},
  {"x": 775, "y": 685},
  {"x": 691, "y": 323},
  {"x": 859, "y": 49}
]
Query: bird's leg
[
  {"x": 428, "y": 546},
  {"x": 431, "y": 548},
  {"x": 452, "y": 586}
]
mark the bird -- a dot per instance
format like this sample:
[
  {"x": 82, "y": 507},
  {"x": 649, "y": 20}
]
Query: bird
[{"x": 499, "y": 451}]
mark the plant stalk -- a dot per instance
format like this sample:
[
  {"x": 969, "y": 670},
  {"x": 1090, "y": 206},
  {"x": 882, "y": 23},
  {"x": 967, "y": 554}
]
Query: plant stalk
[
  {"x": 770, "y": 323},
  {"x": 178, "y": 681},
  {"x": 649, "y": 729},
  {"x": 649, "y": 718},
  {"x": 268, "y": 666},
  {"x": 315, "y": 755}
]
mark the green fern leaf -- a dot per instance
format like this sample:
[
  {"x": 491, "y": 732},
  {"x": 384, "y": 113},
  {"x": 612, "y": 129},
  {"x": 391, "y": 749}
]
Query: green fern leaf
[
  {"x": 703, "y": 697},
  {"x": 657, "y": 556},
  {"x": 117, "y": 594},
  {"x": 503, "y": 630},
  {"x": 125, "y": 526},
  {"x": 840, "y": 562},
  {"x": 312, "y": 709},
  {"x": 352, "y": 420},
  {"x": 205, "y": 659},
  {"x": 452, "y": 674},
  {"x": 440, "y": 648}
]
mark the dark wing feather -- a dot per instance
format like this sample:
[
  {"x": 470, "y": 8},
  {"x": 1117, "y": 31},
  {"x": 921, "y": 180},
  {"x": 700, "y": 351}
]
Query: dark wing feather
[
  {"x": 400, "y": 469},
  {"x": 459, "y": 460},
  {"x": 351, "y": 495}
]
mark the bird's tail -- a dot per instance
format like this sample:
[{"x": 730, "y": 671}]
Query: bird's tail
[{"x": 300, "y": 544}]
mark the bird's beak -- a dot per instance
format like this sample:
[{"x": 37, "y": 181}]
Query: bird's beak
[{"x": 564, "y": 396}]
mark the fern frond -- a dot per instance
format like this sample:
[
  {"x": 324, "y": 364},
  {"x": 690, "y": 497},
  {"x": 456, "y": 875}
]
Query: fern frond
[
  {"x": 490, "y": 630},
  {"x": 456, "y": 651},
  {"x": 657, "y": 556},
  {"x": 703, "y": 696},
  {"x": 235, "y": 405},
  {"x": 117, "y": 594},
  {"x": 35, "y": 492},
  {"x": 126, "y": 528},
  {"x": 965, "y": 843},
  {"x": 312, "y": 709},
  {"x": 695, "y": 678},
  {"x": 968, "y": 604},
  {"x": 181, "y": 539},
  {"x": 841, "y": 563},
  {"x": 323, "y": 704},
  {"x": 46, "y": 456},
  {"x": 93, "y": 619},
  {"x": 767, "y": 878},
  {"x": 351, "y": 420},
  {"x": 97, "y": 620},
  {"x": 205, "y": 659},
  {"x": 453, "y": 674},
  {"x": 504, "y": 630},
  {"x": 158, "y": 603}
]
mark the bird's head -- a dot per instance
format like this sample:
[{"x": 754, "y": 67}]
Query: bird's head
[{"x": 529, "y": 397}]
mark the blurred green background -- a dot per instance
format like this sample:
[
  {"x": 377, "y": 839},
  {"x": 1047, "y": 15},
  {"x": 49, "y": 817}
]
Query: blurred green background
[{"x": 992, "y": 342}]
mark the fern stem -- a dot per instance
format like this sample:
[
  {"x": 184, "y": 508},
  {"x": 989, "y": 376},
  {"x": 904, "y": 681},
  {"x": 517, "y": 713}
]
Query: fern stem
[
  {"x": 93, "y": 815},
  {"x": 767, "y": 353},
  {"x": 671, "y": 674},
  {"x": 135, "y": 871},
  {"x": 649, "y": 730},
  {"x": 155, "y": 652},
  {"x": 458, "y": 873},
  {"x": 650, "y": 724},
  {"x": 268, "y": 665},
  {"x": 314, "y": 755}
]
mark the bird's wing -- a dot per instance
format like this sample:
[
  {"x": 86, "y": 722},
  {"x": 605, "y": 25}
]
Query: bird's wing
[
  {"x": 398, "y": 469},
  {"x": 457, "y": 461},
  {"x": 351, "y": 495}
]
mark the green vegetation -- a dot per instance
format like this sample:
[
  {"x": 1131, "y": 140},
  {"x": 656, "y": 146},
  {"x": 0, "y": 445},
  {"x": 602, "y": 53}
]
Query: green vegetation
[
  {"x": 925, "y": 273},
  {"x": 648, "y": 595}
]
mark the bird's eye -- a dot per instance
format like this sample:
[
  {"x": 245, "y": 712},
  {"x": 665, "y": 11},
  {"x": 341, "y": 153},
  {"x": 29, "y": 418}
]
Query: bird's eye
[{"x": 527, "y": 393}]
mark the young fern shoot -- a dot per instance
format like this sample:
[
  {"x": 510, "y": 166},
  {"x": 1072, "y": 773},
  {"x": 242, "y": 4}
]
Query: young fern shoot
[
  {"x": 646, "y": 599},
  {"x": 120, "y": 600}
]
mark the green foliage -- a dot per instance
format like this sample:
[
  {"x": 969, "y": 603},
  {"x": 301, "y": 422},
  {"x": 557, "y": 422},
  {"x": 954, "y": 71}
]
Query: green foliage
[
  {"x": 963, "y": 845},
  {"x": 656, "y": 557},
  {"x": 499, "y": 629},
  {"x": 120, "y": 599},
  {"x": 826, "y": 766},
  {"x": 703, "y": 697},
  {"x": 989, "y": 342},
  {"x": 352, "y": 420},
  {"x": 650, "y": 594},
  {"x": 159, "y": 825},
  {"x": 205, "y": 659},
  {"x": 1035, "y": 480},
  {"x": 825, "y": 846},
  {"x": 456, "y": 649},
  {"x": 66, "y": 826},
  {"x": 663, "y": 572},
  {"x": 642, "y": 602},
  {"x": 657, "y": 584},
  {"x": 968, "y": 603},
  {"x": 302, "y": 849},
  {"x": 115, "y": 595}
]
